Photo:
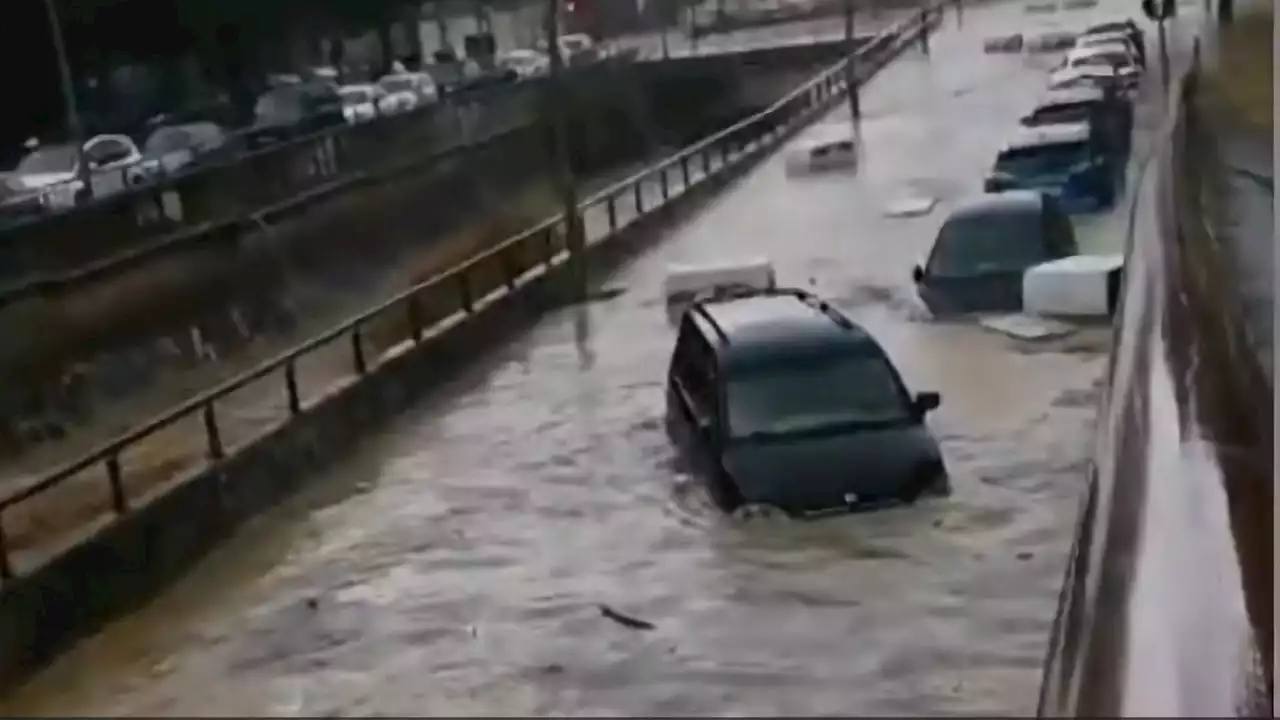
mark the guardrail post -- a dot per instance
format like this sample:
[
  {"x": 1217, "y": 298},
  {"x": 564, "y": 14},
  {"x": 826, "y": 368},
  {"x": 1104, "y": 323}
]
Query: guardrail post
[
  {"x": 358, "y": 360},
  {"x": 6, "y": 568},
  {"x": 706, "y": 161},
  {"x": 684, "y": 171},
  {"x": 548, "y": 245},
  {"x": 118, "y": 501},
  {"x": 924, "y": 31},
  {"x": 612, "y": 210},
  {"x": 508, "y": 267},
  {"x": 413, "y": 314},
  {"x": 638, "y": 189},
  {"x": 291, "y": 387},
  {"x": 465, "y": 300},
  {"x": 662, "y": 183},
  {"x": 212, "y": 433}
]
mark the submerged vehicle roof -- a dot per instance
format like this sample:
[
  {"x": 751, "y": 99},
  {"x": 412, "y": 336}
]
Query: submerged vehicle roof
[
  {"x": 1052, "y": 134},
  {"x": 1070, "y": 96},
  {"x": 1001, "y": 203},
  {"x": 779, "y": 324}
]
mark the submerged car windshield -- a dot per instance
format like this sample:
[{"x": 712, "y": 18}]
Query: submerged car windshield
[
  {"x": 795, "y": 396},
  {"x": 996, "y": 242},
  {"x": 1042, "y": 159}
]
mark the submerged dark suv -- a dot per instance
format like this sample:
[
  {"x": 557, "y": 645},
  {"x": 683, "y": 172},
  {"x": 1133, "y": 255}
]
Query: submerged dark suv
[{"x": 778, "y": 399}]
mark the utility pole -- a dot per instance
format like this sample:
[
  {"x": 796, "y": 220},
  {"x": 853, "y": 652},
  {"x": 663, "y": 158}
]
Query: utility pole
[
  {"x": 74, "y": 128},
  {"x": 556, "y": 101},
  {"x": 850, "y": 68},
  {"x": 1161, "y": 10}
]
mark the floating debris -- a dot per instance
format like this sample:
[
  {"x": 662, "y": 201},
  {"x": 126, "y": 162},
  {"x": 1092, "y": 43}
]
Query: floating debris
[{"x": 626, "y": 620}]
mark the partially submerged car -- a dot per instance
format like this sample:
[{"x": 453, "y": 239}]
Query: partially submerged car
[
  {"x": 778, "y": 399},
  {"x": 984, "y": 248},
  {"x": 1067, "y": 161},
  {"x": 1120, "y": 60},
  {"x": 1086, "y": 104},
  {"x": 1096, "y": 76},
  {"x": 1050, "y": 41},
  {"x": 1115, "y": 40},
  {"x": 1003, "y": 44},
  {"x": 826, "y": 148}
]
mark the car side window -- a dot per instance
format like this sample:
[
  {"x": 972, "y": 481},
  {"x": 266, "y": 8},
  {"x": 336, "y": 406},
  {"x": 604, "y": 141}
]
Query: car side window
[
  {"x": 692, "y": 367},
  {"x": 1060, "y": 234}
]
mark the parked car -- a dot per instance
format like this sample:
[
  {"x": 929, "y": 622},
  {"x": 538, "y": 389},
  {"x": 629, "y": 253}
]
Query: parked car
[
  {"x": 776, "y": 398},
  {"x": 985, "y": 246},
  {"x": 1121, "y": 60},
  {"x": 1129, "y": 28},
  {"x": 1113, "y": 120},
  {"x": 48, "y": 178},
  {"x": 407, "y": 91},
  {"x": 1114, "y": 40},
  {"x": 525, "y": 63},
  {"x": 1097, "y": 76},
  {"x": 290, "y": 111},
  {"x": 363, "y": 103},
  {"x": 173, "y": 148},
  {"x": 1070, "y": 161}
]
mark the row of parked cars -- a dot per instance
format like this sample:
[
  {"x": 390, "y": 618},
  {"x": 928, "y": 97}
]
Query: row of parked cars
[
  {"x": 778, "y": 399},
  {"x": 48, "y": 179}
]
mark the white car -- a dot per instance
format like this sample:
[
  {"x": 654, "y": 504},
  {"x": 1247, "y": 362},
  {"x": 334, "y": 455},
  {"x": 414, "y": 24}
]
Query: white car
[
  {"x": 828, "y": 148},
  {"x": 1113, "y": 40},
  {"x": 407, "y": 91},
  {"x": 687, "y": 284},
  {"x": 361, "y": 103},
  {"x": 49, "y": 174},
  {"x": 171, "y": 148},
  {"x": 525, "y": 63},
  {"x": 1124, "y": 62},
  {"x": 1097, "y": 76}
]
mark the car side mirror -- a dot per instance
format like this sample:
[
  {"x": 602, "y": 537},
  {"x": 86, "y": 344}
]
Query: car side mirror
[
  {"x": 917, "y": 274},
  {"x": 927, "y": 401}
]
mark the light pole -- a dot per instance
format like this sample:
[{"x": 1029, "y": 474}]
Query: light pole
[
  {"x": 850, "y": 71},
  {"x": 555, "y": 100},
  {"x": 74, "y": 128}
]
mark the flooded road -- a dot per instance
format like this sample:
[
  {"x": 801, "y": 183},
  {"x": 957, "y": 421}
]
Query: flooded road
[{"x": 455, "y": 565}]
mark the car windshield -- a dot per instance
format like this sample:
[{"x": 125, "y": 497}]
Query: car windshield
[
  {"x": 1058, "y": 114},
  {"x": 1041, "y": 159},
  {"x": 791, "y": 396},
  {"x": 992, "y": 242},
  {"x": 1105, "y": 58},
  {"x": 50, "y": 159},
  {"x": 402, "y": 83}
]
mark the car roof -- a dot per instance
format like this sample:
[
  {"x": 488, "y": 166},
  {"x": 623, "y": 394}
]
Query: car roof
[
  {"x": 1094, "y": 51},
  {"x": 1113, "y": 25},
  {"x": 1054, "y": 134},
  {"x": 765, "y": 326},
  {"x": 1081, "y": 72},
  {"x": 1001, "y": 203},
  {"x": 1103, "y": 37},
  {"x": 1069, "y": 96}
]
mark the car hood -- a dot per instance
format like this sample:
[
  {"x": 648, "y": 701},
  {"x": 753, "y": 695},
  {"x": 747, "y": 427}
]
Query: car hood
[
  {"x": 818, "y": 472},
  {"x": 36, "y": 181}
]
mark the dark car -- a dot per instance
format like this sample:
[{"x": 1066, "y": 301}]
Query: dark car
[
  {"x": 1129, "y": 28},
  {"x": 986, "y": 245},
  {"x": 778, "y": 399},
  {"x": 294, "y": 110},
  {"x": 1109, "y": 116},
  {"x": 1070, "y": 161}
]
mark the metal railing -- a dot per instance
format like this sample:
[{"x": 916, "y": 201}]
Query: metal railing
[
  {"x": 435, "y": 305},
  {"x": 1166, "y": 609}
]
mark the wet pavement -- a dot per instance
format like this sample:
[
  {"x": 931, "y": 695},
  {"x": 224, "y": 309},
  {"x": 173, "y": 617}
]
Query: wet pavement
[{"x": 453, "y": 566}]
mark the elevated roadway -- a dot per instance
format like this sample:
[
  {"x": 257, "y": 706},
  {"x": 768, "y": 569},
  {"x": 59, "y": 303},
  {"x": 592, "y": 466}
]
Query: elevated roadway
[{"x": 454, "y": 565}]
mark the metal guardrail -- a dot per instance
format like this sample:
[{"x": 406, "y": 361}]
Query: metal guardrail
[
  {"x": 481, "y": 280},
  {"x": 1166, "y": 608}
]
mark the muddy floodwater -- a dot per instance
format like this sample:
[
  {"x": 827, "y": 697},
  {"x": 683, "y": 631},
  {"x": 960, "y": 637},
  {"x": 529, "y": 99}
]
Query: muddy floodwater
[{"x": 456, "y": 564}]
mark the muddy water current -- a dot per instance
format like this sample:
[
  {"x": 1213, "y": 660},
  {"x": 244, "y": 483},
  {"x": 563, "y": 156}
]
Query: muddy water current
[{"x": 455, "y": 565}]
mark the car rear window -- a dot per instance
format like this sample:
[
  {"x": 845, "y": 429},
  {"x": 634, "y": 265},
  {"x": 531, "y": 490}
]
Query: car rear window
[
  {"x": 992, "y": 242},
  {"x": 805, "y": 394}
]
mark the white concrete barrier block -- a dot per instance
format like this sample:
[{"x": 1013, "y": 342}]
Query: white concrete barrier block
[{"x": 1078, "y": 286}]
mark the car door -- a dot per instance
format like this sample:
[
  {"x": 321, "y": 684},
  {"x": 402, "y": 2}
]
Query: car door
[{"x": 690, "y": 388}]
